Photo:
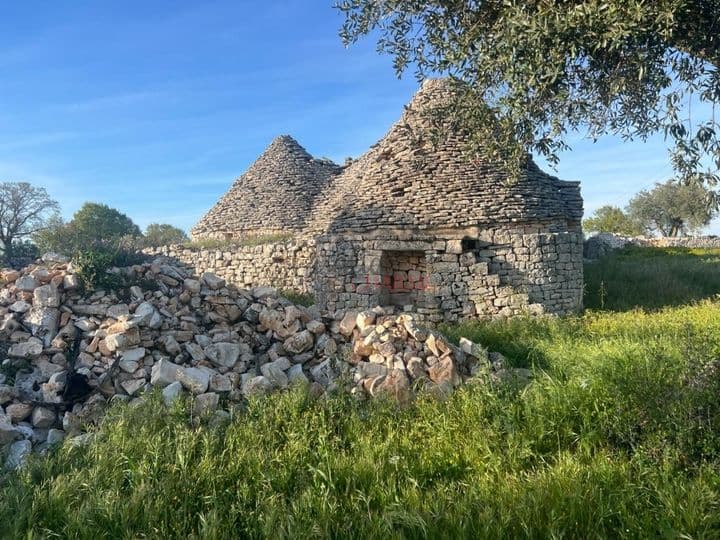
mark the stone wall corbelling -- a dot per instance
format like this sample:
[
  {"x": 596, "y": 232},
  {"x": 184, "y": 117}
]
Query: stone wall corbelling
[
  {"x": 408, "y": 180},
  {"x": 274, "y": 196}
]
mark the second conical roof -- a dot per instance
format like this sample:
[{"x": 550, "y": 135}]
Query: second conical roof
[{"x": 274, "y": 195}]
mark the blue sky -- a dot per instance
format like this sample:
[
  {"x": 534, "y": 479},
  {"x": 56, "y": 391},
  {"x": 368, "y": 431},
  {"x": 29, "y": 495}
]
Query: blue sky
[{"x": 155, "y": 107}]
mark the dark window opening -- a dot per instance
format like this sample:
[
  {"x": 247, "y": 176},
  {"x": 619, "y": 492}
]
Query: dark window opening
[{"x": 470, "y": 244}]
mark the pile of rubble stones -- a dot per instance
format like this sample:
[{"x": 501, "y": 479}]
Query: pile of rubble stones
[{"x": 65, "y": 352}]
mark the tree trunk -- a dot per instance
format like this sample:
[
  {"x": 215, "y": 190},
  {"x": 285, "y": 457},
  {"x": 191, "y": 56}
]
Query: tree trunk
[{"x": 7, "y": 249}]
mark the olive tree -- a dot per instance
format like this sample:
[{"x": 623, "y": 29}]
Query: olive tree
[
  {"x": 671, "y": 209},
  {"x": 24, "y": 211},
  {"x": 533, "y": 71}
]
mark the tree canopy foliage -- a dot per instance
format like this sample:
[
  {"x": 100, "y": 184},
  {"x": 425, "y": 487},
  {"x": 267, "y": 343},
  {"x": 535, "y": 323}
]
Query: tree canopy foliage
[
  {"x": 24, "y": 211},
  {"x": 162, "y": 234},
  {"x": 671, "y": 209},
  {"x": 545, "y": 68},
  {"x": 92, "y": 225},
  {"x": 611, "y": 219},
  {"x": 99, "y": 222}
]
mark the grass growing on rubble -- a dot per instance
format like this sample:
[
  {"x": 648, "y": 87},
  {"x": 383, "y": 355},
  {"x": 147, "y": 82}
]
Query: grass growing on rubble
[
  {"x": 220, "y": 243},
  {"x": 297, "y": 297},
  {"x": 618, "y": 435}
]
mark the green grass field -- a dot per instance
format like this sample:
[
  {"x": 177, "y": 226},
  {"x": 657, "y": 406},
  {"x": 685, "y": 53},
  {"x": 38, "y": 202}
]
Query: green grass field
[
  {"x": 652, "y": 278},
  {"x": 617, "y": 435}
]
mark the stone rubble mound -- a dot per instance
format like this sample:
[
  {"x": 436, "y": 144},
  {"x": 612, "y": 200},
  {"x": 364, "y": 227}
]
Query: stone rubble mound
[
  {"x": 66, "y": 353},
  {"x": 601, "y": 244}
]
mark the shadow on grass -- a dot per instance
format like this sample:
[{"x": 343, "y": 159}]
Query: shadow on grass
[{"x": 651, "y": 278}]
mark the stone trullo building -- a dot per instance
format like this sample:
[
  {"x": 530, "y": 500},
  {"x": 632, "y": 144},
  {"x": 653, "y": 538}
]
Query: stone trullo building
[
  {"x": 411, "y": 223},
  {"x": 274, "y": 196}
]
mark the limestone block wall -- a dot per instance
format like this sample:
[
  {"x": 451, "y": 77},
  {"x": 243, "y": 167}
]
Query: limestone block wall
[
  {"x": 706, "y": 242},
  {"x": 599, "y": 245},
  {"x": 444, "y": 276},
  {"x": 496, "y": 272},
  {"x": 285, "y": 265}
]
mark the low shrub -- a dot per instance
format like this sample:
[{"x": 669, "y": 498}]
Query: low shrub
[{"x": 94, "y": 265}]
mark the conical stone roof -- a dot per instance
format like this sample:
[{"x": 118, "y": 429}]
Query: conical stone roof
[
  {"x": 273, "y": 196},
  {"x": 409, "y": 181}
]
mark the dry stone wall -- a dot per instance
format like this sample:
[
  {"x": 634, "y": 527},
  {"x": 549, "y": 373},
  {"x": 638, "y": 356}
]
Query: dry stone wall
[
  {"x": 286, "y": 265},
  {"x": 601, "y": 244},
  {"x": 707, "y": 242},
  {"x": 506, "y": 272}
]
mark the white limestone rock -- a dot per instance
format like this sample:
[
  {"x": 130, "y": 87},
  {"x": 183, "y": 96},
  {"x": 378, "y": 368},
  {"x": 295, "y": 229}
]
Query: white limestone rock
[
  {"x": 316, "y": 327},
  {"x": 134, "y": 355},
  {"x": 146, "y": 315},
  {"x": 17, "y": 454},
  {"x": 365, "y": 319},
  {"x": 299, "y": 343},
  {"x": 8, "y": 432},
  {"x": 55, "y": 436},
  {"x": 133, "y": 386},
  {"x": 213, "y": 281},
  {"x": 223, "y": 354},
  {"x": 128, "y": 366},
  {"x": 43, "y": 418},
  {"x": 164, "y": 373},
  {"x": 118, "y": 310},
  {"x": 127, "y": 339},
  {"x": 46, "y": 296},
  {"x": 171, "y": 393},
  {"x": 43, "y": 322},
  {"x": 195, "y": 351},
  {"x": 296, "y": 375},
  {"x": 256, "y": 386},
  {"x": 20, "y": 307},
  {"x": 26, "y": 283},
  {"x": 473, "y": 349},
  {"x": 32, "y": 348},
  {"x": 195, "y": 380},
  {"x": 220, "y": 383},
  {"x": 272, "y": 372},
  {"x": 193, "y": 286},
  {"x": 347, "y": 323},
  {"x": 205, "y": 404}
]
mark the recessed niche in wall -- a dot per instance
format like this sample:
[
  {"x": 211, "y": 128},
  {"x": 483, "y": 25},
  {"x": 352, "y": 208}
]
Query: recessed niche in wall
[
  {"x": 473, "y": 244},
  {"x": 404, "y": 278}
]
